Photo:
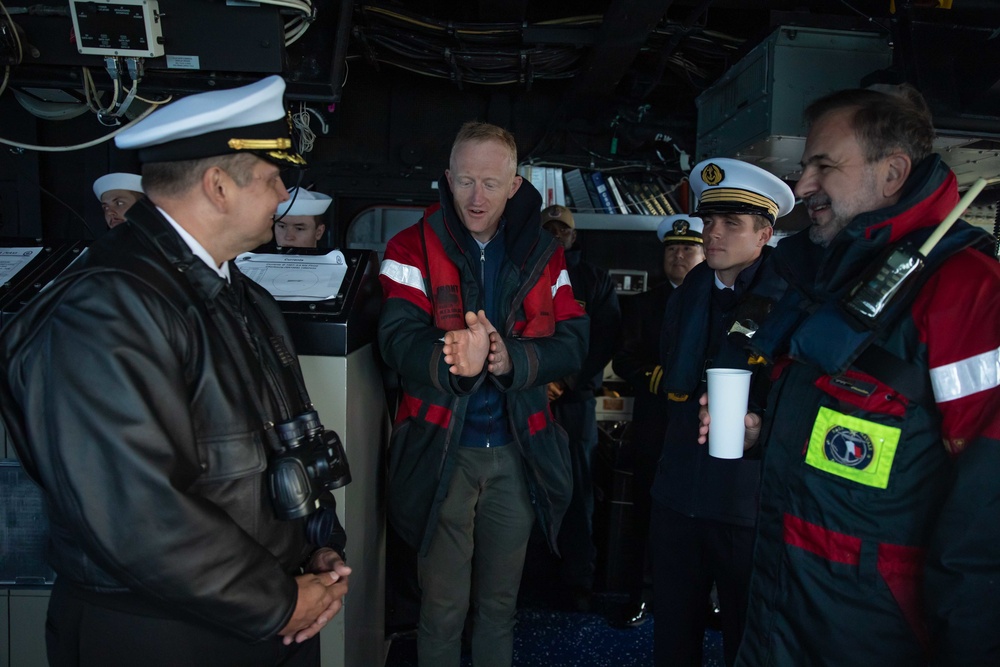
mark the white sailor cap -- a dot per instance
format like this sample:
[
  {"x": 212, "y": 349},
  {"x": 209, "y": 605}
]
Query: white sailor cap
[
  {"x": 248, "y": 119},
  {"x": 723, "y": 185},
  {"x": 304, "y": 202},
  {"x": 117, "y": 181},
  {"x": 681, "y": 228}
]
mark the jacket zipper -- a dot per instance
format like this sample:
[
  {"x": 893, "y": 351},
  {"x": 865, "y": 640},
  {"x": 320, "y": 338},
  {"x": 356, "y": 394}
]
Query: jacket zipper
[
  {"x": 482, "y": 266},
  {"x": 482, "y": 281}
]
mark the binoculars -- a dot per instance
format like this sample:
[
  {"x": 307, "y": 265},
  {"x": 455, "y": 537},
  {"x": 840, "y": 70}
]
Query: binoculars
[{"x": 311, "y": 460}]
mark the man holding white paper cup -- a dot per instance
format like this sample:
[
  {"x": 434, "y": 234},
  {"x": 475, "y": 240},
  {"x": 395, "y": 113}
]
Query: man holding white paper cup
[
  {"x": 705, "y": 498},
  {"x": 729, "y": 395},
  {"x": 878, "y": 539}
]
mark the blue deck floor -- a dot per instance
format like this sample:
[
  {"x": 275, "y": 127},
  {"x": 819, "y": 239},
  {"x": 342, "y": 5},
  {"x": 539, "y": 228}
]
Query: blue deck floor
[{"x": 549, "y": 637}]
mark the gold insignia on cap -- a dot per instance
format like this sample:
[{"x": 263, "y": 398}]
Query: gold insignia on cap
[
  {"x": 712, "y": 174},
  {"x": 280, "y": 143},
  {"x": 276, "y": 148},
  {"x": 294, "y": 158},
  {"x": 681, "y": 226}
]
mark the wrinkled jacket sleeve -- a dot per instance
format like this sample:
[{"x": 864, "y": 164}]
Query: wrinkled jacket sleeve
[
  {"x": 108, "y": 416},
  {"x": 538, "y": 361},
  {"x": 409, "y": 341},
  {"x": 960, "y": 320}
]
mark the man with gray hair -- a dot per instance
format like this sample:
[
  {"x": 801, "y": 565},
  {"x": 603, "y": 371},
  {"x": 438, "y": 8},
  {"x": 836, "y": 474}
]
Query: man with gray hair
[
  {"x": 143, "y": 391},
  {"x": 878, "y": 538}
]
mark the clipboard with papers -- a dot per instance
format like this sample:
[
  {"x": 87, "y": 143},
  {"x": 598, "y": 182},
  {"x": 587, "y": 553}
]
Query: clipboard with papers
[
  {"x": 296, "y": 277},
  {"x": 12, "y": 260},
  {"x": 330, "y": 298}
]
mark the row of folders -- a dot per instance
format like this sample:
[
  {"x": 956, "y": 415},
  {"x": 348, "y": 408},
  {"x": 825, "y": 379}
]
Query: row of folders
[{"x": 599, "y": 192}]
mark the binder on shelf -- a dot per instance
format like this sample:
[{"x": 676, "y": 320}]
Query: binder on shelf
[
  {"x": 607, "y": 204},
  {"x": 667, "y": 198},
  {"x": 633, "y": 195},
  {"x": 548, "y": 192},
  {"x": 616, "y": 195},
  {"x": 633, "y": 202},
  {"x": 645, "y": 207},
  {"x": 652, "y": 200},
  {"x": 524, "y": 171},
  {"x": 537, "y": 178},
  {"x": 577, "y": 190},
  {"x": 596, "y": 206},
  {"x": 560, "y": 189}
]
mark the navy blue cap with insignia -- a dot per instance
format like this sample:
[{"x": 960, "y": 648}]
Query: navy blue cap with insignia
[
  {"x": 724, "y": 185},
  {"x": 249, "y": 119}
]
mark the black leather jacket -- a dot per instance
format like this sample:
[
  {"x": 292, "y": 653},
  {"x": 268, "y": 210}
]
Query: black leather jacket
[{"x": 124, "y": 396}]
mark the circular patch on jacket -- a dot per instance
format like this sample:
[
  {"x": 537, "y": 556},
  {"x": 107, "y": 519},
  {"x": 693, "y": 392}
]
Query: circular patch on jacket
[{"x": 850, "y": 448}]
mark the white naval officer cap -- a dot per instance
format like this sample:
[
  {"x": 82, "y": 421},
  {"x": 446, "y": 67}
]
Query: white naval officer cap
[
  {"x": 117, "y": 181},
  {"x": 248, "y": 119},
  {"x": 682, "y": 228},
  {"x": 304, "y": 202},
  {"x": 724, "y": 185}
]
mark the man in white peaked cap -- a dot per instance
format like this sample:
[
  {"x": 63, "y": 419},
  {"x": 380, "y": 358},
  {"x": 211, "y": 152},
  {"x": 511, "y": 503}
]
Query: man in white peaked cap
[
  {"x": 117, "y": 192},
  {"x": 145, "y": 391},
  {"x": 298, "y": 221},
  {"x": 637, "y": 361},
  {"x": 683, "y": 248},
  {"x": 704, "y": 508}
]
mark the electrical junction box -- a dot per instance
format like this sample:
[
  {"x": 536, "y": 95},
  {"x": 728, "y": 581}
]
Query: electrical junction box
[
  {"x": 126, "y": 28},
  {"x": 754, "y": 111},
  {"x": 629, "y": 281}
]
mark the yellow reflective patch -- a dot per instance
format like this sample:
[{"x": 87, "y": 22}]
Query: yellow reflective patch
[{"x": 852, "y": 448}]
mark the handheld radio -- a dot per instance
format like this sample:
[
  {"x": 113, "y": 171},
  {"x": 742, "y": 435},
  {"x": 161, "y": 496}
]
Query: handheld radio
[{"x": 891, "y": 277}]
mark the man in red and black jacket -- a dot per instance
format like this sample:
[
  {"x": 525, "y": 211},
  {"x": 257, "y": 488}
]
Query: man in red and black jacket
[
  {"x": 478, "y": 318},
  {"x": 878, "y": 536}
]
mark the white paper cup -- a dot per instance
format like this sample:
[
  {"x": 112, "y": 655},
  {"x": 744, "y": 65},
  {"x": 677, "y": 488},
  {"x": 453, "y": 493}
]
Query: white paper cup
[{"x": 728, "y": 393}]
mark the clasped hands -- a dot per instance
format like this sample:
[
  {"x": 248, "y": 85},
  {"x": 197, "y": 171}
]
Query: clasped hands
[
  {"x": 467, "y": 350},
  {"x": 321, "y": 596}
]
